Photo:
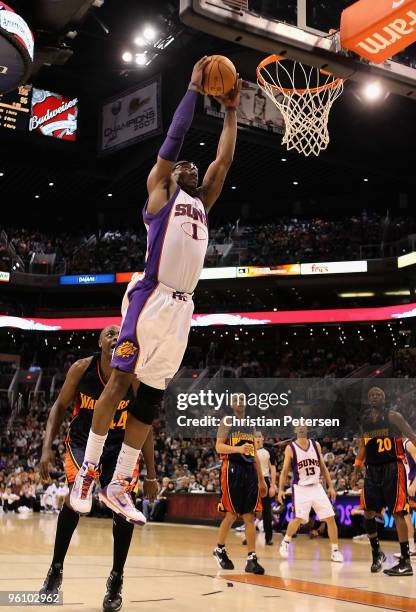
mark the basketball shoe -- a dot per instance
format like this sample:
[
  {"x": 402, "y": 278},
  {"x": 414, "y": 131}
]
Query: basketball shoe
[
  {"x": 222, "y": 558},
  {"x": 117, "y": 497},
  {"x": 112, "y": 599},
  {"x": 253, "y": 566},
  {"x": 81, "y": 494},
  {"x": 403, "y": 568},
  {"x": 284, "y": 548},
  {"x": 337, "y": 556},
  {"x": 53, "y": 580},
  {"x": 378, "y": 560}
]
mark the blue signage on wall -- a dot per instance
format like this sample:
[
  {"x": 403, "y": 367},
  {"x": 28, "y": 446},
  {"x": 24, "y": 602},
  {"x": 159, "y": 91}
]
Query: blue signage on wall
[{"x": 87, "y": 279}]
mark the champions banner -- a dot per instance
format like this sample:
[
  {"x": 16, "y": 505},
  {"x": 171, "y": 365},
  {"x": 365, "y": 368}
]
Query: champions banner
[
  {"x": 255, "y": 110},
  {"x": 288, "y": 317},
  {"x": 132, "y": 116}
]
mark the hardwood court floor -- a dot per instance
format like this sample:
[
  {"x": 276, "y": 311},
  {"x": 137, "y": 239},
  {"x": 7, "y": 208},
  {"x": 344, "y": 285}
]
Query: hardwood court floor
[{"x": 172, "y": 567}]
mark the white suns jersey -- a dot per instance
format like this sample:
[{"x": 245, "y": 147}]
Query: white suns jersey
[
  {"x": 305, "y": 464},
  {"x": 177, "y": 241}
]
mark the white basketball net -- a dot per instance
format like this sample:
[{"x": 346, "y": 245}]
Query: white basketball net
[{"x": 305, "y": 109}]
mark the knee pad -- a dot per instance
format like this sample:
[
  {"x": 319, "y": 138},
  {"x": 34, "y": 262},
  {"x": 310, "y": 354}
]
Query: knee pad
[
  {"x": 146, "y": 403},
  {"x": 370, "y": 525}
]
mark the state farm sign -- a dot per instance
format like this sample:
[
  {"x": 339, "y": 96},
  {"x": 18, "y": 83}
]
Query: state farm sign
[{"x": 378, "y": 30}]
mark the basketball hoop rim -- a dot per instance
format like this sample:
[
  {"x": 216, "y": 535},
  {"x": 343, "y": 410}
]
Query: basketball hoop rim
[{"x": 279, "y": 58}]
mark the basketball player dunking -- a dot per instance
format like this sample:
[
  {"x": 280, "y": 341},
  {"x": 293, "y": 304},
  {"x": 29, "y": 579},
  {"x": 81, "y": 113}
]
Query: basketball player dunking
[
  {"x": 381, "y": 449},
  {"x": 304, "y": 456},
  {"x": 82, "y": 387},
  {"x": 157, "y": 311}
]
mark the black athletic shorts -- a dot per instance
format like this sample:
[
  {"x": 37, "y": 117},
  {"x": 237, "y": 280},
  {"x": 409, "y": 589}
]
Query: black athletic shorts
[
  {"x": 385, "y": 486},
  {"x": 239, "y": 488}
]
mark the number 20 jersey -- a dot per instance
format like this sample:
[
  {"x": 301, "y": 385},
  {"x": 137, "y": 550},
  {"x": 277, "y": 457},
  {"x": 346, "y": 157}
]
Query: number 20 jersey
[
  {"x": 305, "y": 464},
  {"x": 383, "y": 441}
]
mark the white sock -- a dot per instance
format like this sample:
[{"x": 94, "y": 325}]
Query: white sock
[
  {"x": 94, "y": 448},
  {"x": 126, "y": 462},
  {"x": 288, "y": 539},
  {"x": 334, "y": 547},
  {"x": 412, "y": 546}
]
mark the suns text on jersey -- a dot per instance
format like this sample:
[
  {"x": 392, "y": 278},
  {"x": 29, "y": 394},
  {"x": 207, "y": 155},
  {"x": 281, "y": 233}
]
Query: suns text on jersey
[{"x": 188, "y": 210}]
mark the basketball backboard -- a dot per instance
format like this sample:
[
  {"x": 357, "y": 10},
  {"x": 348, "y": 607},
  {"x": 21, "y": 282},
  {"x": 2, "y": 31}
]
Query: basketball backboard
[{"x": 298, "y": 30}]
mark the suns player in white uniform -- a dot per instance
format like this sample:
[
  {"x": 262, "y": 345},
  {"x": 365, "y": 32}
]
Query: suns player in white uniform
[
  {"x": 157, "y": 310},
  {"x": 304, "y": 457}
]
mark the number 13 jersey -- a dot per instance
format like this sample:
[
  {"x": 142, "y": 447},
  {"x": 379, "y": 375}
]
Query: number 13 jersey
[{"x": 305, "y": 464}]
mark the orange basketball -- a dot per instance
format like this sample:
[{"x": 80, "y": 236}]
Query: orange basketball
[{"x": 219, "y": 76}]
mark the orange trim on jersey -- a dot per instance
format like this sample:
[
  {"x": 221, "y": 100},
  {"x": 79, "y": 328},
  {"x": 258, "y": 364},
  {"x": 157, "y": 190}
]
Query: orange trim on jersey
[
  {"x": 401, "y": 494},
  {"x": 71, "y": 466},
  {"x": 259, "y": 505},
  {"x": 362, "y": 499},
  {"x": 99, "y": 373},
  {"x": 398, "y": 443},
  {"x": 225, "y": 492}
]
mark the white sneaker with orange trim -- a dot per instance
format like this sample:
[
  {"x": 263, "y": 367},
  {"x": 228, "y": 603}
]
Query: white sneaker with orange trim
[
  {"x": 117, "y": 497},
  {"x": 81, "y": 493}
]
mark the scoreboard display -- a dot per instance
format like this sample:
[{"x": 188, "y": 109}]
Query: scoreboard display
[
  {"x": 15, "y": 109},
  {"x": 29, "y": 109}
]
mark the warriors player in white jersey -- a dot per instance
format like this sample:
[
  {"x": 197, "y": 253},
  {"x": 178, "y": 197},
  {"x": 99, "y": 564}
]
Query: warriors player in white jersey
[
  {"x": 304, "y": 457},
  {"x": 157, "y": 310}
]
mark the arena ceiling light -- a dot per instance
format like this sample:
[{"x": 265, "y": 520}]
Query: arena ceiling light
[
  {"x": 373, "y": 91},
  {"x": 127, "y": 56},
  {"x": 357, "y": 294},
  {"x": 149, "y": 33},
  {"x": 399, "y": 292},
  {"x": 140, "y": 41},
  {"x": 141, "y": 59}
]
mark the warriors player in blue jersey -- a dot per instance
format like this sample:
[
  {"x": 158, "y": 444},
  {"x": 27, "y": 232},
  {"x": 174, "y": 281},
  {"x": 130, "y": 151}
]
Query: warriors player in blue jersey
[
  {"x": 82, "y": 387},
  {"x": 381, "y": 450},
  {"x": 157, "y": 311}
]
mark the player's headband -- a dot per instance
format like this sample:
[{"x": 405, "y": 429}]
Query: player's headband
[{"x": 185, "y": 163}]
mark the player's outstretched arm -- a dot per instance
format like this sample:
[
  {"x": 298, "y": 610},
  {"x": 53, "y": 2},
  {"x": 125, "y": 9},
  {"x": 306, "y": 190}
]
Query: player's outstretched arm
[
  {"x": 402, "y": 425},
  {"x": 359, "y": 462},
  {"x": 160, "y": 184},
  {"x": 284, "y": 473},
  {"x": 215, "y": 176},
  {"x": 58, "y": 412}
]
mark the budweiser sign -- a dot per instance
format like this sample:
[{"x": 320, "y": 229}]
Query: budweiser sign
[
  {"x": 378, "y": 30},
  {"x": 54, "y": 115}
]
